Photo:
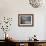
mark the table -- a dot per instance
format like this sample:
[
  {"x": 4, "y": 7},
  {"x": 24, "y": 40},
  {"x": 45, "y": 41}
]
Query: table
[{"x": 27, "y": 42}]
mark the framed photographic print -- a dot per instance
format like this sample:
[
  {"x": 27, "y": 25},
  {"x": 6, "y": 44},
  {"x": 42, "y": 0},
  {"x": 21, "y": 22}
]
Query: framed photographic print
[{"x": 25, "y": 20}]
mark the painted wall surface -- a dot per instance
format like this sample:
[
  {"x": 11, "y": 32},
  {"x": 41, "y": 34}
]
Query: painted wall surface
[{"x": 11, "y": 8}]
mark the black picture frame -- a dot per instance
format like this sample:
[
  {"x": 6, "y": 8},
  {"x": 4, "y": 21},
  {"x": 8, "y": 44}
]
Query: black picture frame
[{"x": 26, "y": 20}]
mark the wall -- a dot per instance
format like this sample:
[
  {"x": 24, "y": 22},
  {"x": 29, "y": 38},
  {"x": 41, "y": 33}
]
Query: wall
[{"x": 11, "y": 8}]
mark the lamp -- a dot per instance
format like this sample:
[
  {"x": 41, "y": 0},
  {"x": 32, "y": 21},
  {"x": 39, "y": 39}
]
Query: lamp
[
  {"x": 36, "y": 3},
  {"x": 6, "y": 25}
]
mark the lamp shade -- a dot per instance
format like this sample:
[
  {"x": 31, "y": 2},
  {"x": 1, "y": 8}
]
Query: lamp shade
[{"x": 36, "y": 3}]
